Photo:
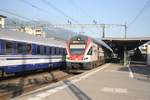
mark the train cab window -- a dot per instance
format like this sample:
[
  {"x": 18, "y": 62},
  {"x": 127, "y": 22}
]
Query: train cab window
[
  {"x": 76, "y": 51},
  {"x": 9, "y": 48},
  {"x": 20, "y": 48},
  {"x": 89, "y": 52}
]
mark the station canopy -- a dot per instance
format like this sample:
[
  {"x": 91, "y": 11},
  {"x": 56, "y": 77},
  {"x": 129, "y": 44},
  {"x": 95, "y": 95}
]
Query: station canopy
[{"x": 119, "y": 44}]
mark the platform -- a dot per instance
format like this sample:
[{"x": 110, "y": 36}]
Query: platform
[{"x": 107, "y": 82}]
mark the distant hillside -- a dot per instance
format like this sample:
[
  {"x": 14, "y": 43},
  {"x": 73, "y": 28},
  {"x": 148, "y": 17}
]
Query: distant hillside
[
  {"x": 59, "y": 33},
  {"x": 50, "y": 32},
  {"x": 13, "y": 23}
]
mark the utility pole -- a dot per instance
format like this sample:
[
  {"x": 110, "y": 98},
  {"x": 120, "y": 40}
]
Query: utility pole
[
  {"x": 103, "y": 30},
  {"x": 82, "y": 27},
  {"x": 125, "y": 30}
]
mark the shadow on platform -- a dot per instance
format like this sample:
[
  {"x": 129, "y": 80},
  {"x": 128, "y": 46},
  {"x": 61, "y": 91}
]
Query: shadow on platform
[
  {"x": 76, "y": 91},
  {"x": 140, "y": 69}
]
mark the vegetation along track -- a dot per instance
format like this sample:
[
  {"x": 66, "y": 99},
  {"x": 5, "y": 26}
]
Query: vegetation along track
[{"x": 14, "y": 86}]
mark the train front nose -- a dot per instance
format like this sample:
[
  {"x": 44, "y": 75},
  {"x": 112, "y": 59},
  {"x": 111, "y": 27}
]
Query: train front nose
[{"x": 77, "y": 57}]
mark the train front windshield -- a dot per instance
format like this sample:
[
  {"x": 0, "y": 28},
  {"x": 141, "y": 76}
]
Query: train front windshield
[
  {"x": 77, "y": 49},
  {"x": 77, "y": 45}
]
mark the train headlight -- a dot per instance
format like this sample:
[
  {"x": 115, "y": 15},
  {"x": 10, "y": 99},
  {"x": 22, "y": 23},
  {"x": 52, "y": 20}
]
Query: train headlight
[{"x": 68, "y": 58}]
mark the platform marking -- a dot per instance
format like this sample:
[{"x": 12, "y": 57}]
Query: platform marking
[
  {"x": 34, "y": 98},
  {"x": 44, "y": 94},
  {"x": 114, "y": 90},
  {"x": 142, "y": 99},
  {"x": 115, "y": 71},
  {"x": 52, "y": 91},
  {"x": 72, "y": 81},
  {"x": 130, "y": 71}
]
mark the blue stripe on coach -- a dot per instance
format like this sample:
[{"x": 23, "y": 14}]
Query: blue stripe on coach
[
  {"x": 29, "y": 67},
  {"x": 32, "y": 58}
]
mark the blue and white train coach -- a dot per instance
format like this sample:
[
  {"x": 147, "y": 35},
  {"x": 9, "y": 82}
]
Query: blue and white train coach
[{"x": 23, "y": 52}]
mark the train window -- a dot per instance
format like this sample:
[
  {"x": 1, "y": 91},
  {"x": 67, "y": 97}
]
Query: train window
[
  {"x": 38, "y": 49},
  {"x": 20, "y": 48},
  {"x": 90, "y": 51},
  {"x": 53, "y": 50},
  {"x": 57, "y": 51},
  {"x": 44, "y": 47},
  {"x": 61, "y": 51},
  {"x": 2, "y": 46},
  {"x": 64, "y": 52},
  {"x": 28, "y": 48},
  {"x": 42, "y": 50},
  {"x": 9, "y": 47},
  {"x": 34, "y": 49},
  {"x": 47, "y": 50},
  {"x": 50, "y": 50}
]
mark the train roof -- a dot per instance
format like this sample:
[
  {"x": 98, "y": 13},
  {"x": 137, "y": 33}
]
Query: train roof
[
  {"x": 103, "y": 44},
  {"x": 25, "y": 37},
  {"x": 99, "y": 41}
]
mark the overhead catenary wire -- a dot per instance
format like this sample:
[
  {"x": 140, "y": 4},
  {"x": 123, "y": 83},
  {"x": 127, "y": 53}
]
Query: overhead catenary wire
[
  {"x": 63, "y": 13},
  {"x": 19, "y": 16},
  {"x": 59, "y": 10},
  {"x": 38, "y": 8},
  {"x": 54, "y": 7},
  {"x": 82, "y": 10},
  {"x": 147, "y": 4}
]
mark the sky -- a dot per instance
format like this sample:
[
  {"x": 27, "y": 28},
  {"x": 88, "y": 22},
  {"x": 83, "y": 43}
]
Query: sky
[{"x": 84, "y": 12}]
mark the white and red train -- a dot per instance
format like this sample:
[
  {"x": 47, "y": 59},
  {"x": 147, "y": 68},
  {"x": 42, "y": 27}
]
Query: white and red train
[{"x": 84, "y": 52}]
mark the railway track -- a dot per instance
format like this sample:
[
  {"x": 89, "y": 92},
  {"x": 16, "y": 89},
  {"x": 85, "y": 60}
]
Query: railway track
[{"x": 12, "y": 87}]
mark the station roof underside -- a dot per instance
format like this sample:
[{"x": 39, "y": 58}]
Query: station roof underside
[{"x": 118, "y": 44}]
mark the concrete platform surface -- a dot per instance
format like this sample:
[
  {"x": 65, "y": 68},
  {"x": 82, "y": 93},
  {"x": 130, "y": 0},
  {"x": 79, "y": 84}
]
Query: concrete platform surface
[{"x": 107, "y": 82}]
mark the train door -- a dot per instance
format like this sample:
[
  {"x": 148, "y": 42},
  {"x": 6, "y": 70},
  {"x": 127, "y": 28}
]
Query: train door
[{"x": 95, "y": 57}]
